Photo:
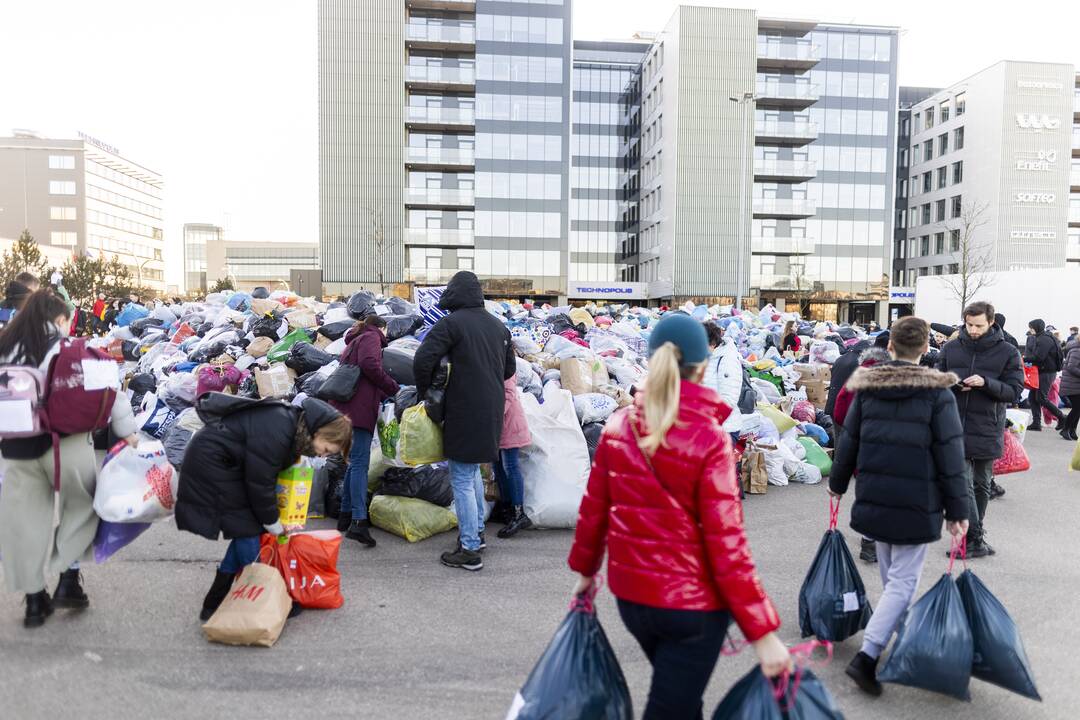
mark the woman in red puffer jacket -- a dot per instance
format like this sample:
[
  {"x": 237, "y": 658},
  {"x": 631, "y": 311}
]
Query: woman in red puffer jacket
[{"x": 664, "y": 498}]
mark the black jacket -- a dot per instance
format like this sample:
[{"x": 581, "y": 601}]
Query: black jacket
[
  {"x": 228, "y": 482},
  {"x": 903, "y": 438},
  {"x": 841, "y": 371},
  {"x": 481, "y": 360},
  {"x": 1070, "y": 372},
  {"x": 1043, "y": 350},
  {"x": 982, "y": 410},
  {"x": 999, "y": 320}
]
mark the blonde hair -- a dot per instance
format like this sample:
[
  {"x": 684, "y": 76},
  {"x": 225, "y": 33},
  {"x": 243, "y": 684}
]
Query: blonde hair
[
  {"x": 662, "y": 394},
  {"x": 789, "y": 329},
  {"x": 338, "y": 432}
]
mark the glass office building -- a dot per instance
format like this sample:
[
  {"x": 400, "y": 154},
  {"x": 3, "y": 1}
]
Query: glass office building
[{"x": 196, "y": 238}]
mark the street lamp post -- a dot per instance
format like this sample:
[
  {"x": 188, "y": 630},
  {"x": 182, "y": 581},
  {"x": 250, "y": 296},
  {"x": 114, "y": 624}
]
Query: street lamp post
[{"x": 746, "y": 101}]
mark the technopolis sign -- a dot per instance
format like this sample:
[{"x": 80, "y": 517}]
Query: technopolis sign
[{"x": 600, "y": 290}]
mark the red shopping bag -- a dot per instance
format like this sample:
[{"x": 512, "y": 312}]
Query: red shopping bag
[
  {"x": 1031, "y": 377},
  {"x": 1014, "y": 458},
  {"x": 308, "y": 563}
]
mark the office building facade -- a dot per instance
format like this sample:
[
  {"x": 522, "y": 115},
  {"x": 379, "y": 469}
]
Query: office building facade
[
  {"x": 1072, "y": 250},
  {"x": 83, "y": 195},
  {"x": 989, "y": 173},
  {"x": 253, "y": 264},
  {"x": 197, "y": 236}
]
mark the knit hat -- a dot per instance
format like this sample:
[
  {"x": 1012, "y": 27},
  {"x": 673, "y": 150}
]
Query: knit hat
[{"x": 687, "y": 334}]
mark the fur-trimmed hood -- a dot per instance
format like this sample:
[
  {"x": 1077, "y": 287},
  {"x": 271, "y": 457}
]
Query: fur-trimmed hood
[{"x": 899, "y": 377}]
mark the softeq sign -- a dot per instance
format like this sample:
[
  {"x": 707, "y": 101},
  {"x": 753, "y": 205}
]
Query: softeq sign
[{"x": 1035, "y": 197}]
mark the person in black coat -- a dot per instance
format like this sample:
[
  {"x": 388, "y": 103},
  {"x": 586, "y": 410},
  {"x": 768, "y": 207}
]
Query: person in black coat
[
  {"x": 999, "y": 320},
  {"x": 902, "y": 437},
  {"x": 1044, "y": 352},
  {"x": 992, "y": 379},
  {"x": 842, "y": 369},
  {"x": 481, "y": 359},
  {"x": 228, "y": 482}
]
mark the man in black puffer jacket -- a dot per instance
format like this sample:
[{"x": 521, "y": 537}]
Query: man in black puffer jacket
[
  {"x": 992, "y": 380},
  {"x": 1044, "y": 352},
  {"x": 841, "y": 371},
  {"x": 902, "y": 437}
]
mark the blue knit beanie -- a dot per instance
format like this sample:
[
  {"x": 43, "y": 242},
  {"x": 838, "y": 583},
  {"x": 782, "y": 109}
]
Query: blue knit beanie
[{"x": 685, "y": 333}]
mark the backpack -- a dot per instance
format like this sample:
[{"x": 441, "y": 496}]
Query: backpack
[
  {"x": 1057, "y": 357},
  {"x": 747, "y": 394}
]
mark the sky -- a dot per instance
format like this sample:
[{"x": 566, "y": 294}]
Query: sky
[{"x": 221, "y": 96}]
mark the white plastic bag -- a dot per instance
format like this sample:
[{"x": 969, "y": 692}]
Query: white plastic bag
[
  {"x": 556, "y": 465},
  {"x": 824, "y": 351},
  {"x": 137, "y": 484},
  {"x": 333, "y": 315},
  {"x": 594, "y": 407},
  {"x": 1020, "y": 420}
]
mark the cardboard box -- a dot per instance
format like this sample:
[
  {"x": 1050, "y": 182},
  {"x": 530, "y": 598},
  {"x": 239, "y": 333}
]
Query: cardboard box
[
  {"x": 294, "y": 494},
  {"x": 817, "y": 391},
  {"x": 275, "y": 382},
  {"x": 814, "y": 371}
]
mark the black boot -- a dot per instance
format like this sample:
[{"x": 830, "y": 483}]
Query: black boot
[
  {"x": 863, "y": 670},
  {"x": 69, "y": 593},
  {"x": 359, "y": 531},
  {"x": 222, "y": 582},
  {"x": 343, "y": 522},
  {"x": 996, "y": 490},
  {"x": 1066, "y": 433},
  {"x": 502, "y": 514},
  {"x": 520, "y": 521},
  {"x": 868, "y": 550},
  {"x": 38, "y": 607}
]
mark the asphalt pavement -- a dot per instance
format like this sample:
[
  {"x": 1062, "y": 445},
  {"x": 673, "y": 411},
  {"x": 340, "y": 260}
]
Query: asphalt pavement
[{"x": 418, "y": 640}]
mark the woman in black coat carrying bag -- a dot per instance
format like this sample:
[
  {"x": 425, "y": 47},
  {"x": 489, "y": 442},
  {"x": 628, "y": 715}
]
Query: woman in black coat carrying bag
[{"x": 228, "y": 482}]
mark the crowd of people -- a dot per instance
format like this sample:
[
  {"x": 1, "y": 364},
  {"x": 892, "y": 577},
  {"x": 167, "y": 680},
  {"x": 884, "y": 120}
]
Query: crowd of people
[{"x": 919, "y": 410}]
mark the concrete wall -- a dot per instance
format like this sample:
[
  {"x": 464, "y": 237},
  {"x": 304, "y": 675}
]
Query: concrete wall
[{"x": 24, "y": 189}]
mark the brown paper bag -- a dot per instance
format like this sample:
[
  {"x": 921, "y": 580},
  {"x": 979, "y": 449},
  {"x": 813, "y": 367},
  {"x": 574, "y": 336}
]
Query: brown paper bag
[
  {"x": 254, "y": 611},
  {"x": 755, "y": 475},
  {"x": 322, "y": 342},
  {"x": 275, "y": 382},
  {"x": 259, "y": 347},
  {"x": 576, "y": 376},
  {"x": 301, "y": 319},
  {"x": 261, "y": 306}
]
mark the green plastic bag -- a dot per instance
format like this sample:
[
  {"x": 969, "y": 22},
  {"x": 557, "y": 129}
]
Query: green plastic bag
[
  {"x": 1075, "y": 464},
  {"x": 421, "y": 439},
  {"x": 780, "y": 419},
  {"x": 389, "y": 431},
  {"x": 410, "y": 518},
  {"x": 280, "y": 350},
  {"x": 768, "y": 377},
  {"x": 816, "y": 456}
]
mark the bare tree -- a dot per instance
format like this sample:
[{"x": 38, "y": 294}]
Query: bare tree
[
  {"x": 974, "y": 258},
  {"x": 379, "y": 236}
]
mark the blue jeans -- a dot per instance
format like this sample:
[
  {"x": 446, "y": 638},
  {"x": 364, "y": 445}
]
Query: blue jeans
[
  {"x": 356, "y": 476},
  {"x": 509, "y": 478},
  {"x": 468, "y": 502},
  {"x": 242, "y": 552}
]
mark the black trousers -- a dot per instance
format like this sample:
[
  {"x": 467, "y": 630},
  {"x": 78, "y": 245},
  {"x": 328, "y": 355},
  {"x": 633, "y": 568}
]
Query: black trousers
[
  {"x": 682, "y": 646},
  {"x": 1039, "y": 400},
  {"x": 1073, "y": 418}
]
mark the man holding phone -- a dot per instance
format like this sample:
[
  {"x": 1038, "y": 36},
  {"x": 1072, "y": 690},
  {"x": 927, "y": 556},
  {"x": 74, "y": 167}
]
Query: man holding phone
[{"x": 992, "y": 377}]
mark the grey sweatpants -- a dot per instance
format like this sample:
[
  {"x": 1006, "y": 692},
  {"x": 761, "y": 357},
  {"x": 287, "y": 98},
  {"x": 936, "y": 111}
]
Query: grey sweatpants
[
  {"x": 901, "y": 567},
  {"x": 30, "y": 545}
]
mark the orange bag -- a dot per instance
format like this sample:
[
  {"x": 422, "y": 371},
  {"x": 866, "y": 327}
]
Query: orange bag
[
  {"x": 1014, "y": 458},
  {"x": 308, "y": 563},
  {"x": 1031, "y": 377}
]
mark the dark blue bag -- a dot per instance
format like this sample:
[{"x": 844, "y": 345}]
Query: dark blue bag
[
  {"x": 933, "y": 648},
  {"x": 803, "y": 697},
  {"x": 577, "y": 677},
  {"x": 832, "y": 601},
  {"x": 999, "y": 652}
]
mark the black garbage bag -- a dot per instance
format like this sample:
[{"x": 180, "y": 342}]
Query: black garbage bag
[
  {"x": 406, "y": 397},
  {"x": 933, "y": 648},
  {"x": 204, "y": 328},
  {"x": 845, "y": 332},
  {"x": 361, "y": 304},
  {"x": 999, "y": 652},
  {"x": 139, "y": 385},
  {"x": 260, "y": 293},
  {"x": 578, "y": 675},
  {"x": 826, "y": 424},
  {"x": 336, "y": 330},
  {"x": 308, "y": 383},
  {"x": 130, "y": 349},
  {"x": 143, "y": 324},
  {"x": 208, "y": 352},
  {"x": 398, "y": 326},
  {"x": 832, "y": 601},
  {"x": 266, "y": 325},
  {"x": 592, "y": 431},
  {"x": 398, "y": 364},
  {"x": 335, "y": 484},
  {"x": 305, "y": 357},
  {"x": 427, "y": 482},
  {"x": 401, "y": 306},
  {"x": 561, "y": 323},
  {"x": 248, "y": 388},
  {"x": 435, "y": 396},
  {"x": 755, "y": 698}
]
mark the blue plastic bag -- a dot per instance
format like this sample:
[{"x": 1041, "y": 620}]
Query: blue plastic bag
[
  {"x": 131, "y": 312},
  {"x": 832, "y": 601},
  {"x": 755, "y": 697},
  {"x": 999, "y": 656},
  {"x": 816, "y": 432},
  {"x": 111, "y": 537},
  {"x": 577, "y": 677}
]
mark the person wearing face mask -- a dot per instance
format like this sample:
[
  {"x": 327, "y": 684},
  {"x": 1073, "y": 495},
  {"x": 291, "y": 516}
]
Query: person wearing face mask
[
  {"x": 229, "y": 476},
  {"x": 28, "y": 541}
]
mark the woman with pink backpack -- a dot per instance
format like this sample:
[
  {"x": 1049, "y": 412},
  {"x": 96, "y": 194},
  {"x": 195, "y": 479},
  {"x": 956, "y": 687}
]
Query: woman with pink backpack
[{"x": 28, "y": 541}]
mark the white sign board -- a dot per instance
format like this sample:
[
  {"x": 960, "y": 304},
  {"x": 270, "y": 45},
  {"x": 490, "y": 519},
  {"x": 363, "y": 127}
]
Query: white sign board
[{"x": 602, "y": 290}]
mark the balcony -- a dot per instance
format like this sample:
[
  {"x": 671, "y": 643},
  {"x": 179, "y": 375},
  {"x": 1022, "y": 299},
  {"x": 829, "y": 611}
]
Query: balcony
[
  {"x": 435, "y": 158},
  {"x": 791, "y": 96},
  {"x": 800, "y": 55},
  {"x": 455, "y": 5},
  {"x": 439, "y": 118},
  {"x": 440, "y": 77},
  {"x": 783, "y": 208},
  {"x": 431, "y": 36},
  {"x": 792, "y": 171},
  {"x": 438, "y": 197},
  {"x": 438, "y": 237},
  {"x": 786, "y": 246},
  {"x": 780, "y": 132}
]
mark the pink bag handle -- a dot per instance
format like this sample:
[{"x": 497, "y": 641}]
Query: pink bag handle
[
  {"x": 834, "y": 512},
  {"x": 584, "y": 602},
  {"x": 958, "y": 546},
  {"x": 802, "y": 655}
]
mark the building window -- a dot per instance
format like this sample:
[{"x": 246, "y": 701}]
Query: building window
[
  {"x": 924, "y": 271},
  {"x": 899, "y": 219},
  {"x": 943, "y": 144},
  {"x": 61, "y": 187},
  {"x": 898, "y": 250},
  {"x": 918, "y": 123},
  {"x": 924, "y": 245},
  {"x": 64, "y": 238},
  {"x": 928, "y": 151},
  {"x": 62, "y": 213},
  {"x": 957, "y": 172},
  {"x": 898, "y": 277},
  {"x": 958, "y": 139},
  {"x": 927, "y": 182},
  {"x": 926, "y": 214},
  {"x": 939, "y": 213},
  {"x": 939, "y": 269},
  {"x": 942, "y": 177},
  {"x": 910, "y": 277},
  {"x": 929, "y": 118},
  {"x": 954, "y": 240},
  {"x": 939, "y": 243},
  {"x": 961, "y": 103},
  {"x": 903, "y": 158},
  {"x": 956, "y": 206},
  {"x": 944, "y": 108},
  {"x": 954, "y": 269},
  {"x": 61, "y": 162}
]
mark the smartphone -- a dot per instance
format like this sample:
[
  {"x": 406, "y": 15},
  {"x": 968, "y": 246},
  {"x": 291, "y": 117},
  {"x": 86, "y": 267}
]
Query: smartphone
[{"x": 959, "y": 385}]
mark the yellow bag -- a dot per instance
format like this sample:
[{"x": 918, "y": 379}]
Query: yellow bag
[
  {"x": 421, "y": 439},
  {"x": 294, "y": 494},
  {"x": 411, "y": 518},
  {"x": 782, "y": 421},
  {"x": 1075, "y": 464}
]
